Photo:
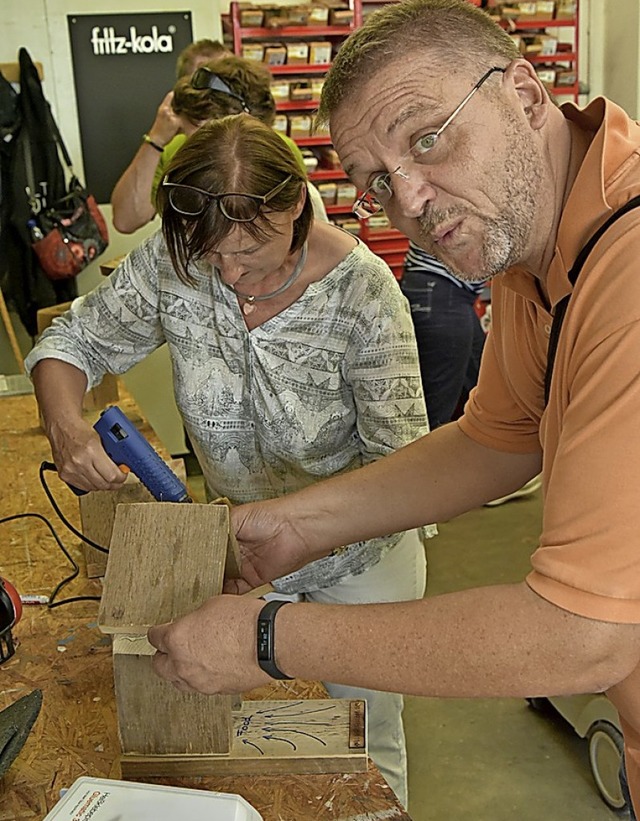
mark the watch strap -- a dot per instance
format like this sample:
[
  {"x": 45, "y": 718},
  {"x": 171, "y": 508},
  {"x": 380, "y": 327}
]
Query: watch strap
[
  {"x": 147, "y": 139},
  {"x": 266, "y": 639}
]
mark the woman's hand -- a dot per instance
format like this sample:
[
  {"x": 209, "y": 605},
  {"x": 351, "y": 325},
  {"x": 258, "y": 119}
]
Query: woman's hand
[
  {"x": 269, "y": 545},
  {"x": 80, "y": 458}
]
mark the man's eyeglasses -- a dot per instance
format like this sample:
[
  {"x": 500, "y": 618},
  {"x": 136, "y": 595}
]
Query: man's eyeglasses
[
  {"x": 203, "y": 78},
  {"x": 380, "y": 191},
  {"x": 189, "y": 201}
]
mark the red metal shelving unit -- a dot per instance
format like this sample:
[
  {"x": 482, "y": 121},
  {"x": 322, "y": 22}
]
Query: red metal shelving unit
[
  {"x": 390, "y": 244},
  {"x": 522, "y": 25}
]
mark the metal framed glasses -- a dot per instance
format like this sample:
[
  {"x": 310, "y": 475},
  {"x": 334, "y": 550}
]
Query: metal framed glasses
[
  {"x": 380, "y": 191},
  {"x": 189, "y": 201},
  {"x": 203, "y": 78}
]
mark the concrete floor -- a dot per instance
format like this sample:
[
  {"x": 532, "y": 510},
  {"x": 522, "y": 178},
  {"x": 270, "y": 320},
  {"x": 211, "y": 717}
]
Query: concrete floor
[{"x": 493, "y": 759}]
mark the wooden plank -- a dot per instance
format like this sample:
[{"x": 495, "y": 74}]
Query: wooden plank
[
  {"x": 98, "y": 512},
  {"x": 165, "y": 560},
  {"x": 156, "y": 719},
  {"x": 13, "y": 340},
  {"x": 274, "y": 737},
  {"x": 233, "y": 563}
]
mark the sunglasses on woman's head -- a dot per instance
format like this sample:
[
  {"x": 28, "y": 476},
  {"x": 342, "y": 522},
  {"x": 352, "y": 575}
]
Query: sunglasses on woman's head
[
  {"x": 203, "y": 79},
  {"x": 189, "y": 201}
]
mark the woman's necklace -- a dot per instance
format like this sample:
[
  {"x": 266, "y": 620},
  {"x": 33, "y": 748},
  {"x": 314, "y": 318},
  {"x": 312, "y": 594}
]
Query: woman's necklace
[{"x": 250, "y": 299}]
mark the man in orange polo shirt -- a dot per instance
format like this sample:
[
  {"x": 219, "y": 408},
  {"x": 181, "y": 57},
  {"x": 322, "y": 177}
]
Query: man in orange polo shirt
[{"x": 438, "y": 119}]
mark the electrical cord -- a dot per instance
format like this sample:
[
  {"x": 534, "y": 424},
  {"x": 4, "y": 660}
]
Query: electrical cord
[
  {"x": 50, "y": 466},
  {"x": 76, "y": 569}
]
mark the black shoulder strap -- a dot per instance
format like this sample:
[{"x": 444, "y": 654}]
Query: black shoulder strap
[{"x": 561, "y": 307}]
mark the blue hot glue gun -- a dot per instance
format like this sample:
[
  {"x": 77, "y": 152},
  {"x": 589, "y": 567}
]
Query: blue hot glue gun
[{"x": 127, "y": 446}]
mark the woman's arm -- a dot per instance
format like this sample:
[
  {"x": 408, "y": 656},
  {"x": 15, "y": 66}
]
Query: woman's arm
[
  {"x": 131, "y": 198},
  {"x": 76, "y": 448}
]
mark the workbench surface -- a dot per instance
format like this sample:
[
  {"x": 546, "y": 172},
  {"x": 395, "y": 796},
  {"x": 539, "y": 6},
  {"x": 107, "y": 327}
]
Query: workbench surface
[{"x": 62, "y": 652}]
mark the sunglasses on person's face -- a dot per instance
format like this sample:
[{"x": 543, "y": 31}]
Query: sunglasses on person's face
[
  {"x": 203, "y": 79},
  {"x": 189, "y": 201}
]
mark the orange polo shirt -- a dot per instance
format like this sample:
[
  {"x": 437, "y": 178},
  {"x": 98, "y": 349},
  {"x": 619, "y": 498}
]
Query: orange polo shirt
[{"x": 588, "y": 559}]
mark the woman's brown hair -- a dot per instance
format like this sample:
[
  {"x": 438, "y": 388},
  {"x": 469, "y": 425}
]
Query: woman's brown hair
[
  {"x": 249, "y": 80},
  {"x": 236, "y": 154}
]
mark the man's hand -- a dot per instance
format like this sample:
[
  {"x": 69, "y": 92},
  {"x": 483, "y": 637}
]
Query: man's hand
[
  {"x": 213, "y": 649},
  {"x": 269, "y": 545}
]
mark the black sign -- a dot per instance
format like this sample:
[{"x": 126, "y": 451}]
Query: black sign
[{"x": 123, "y": 65}]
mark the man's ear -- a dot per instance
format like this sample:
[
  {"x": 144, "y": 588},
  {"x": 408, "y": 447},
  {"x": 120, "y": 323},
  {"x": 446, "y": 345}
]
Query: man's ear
[{"x": 533, "y": 96}]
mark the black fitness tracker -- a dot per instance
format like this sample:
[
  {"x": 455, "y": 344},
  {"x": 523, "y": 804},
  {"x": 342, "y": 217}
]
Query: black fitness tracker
[{"x": 266, "y": 639}]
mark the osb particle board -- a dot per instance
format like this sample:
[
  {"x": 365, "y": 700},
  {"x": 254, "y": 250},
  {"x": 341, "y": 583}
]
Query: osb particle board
[{"x": 165, "y": 560}]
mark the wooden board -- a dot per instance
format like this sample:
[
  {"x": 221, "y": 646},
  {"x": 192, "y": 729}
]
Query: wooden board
[
  {"x": 156, "y": 719},
  {"x": 271, "y": 737},
  {"x": 165, "y": 560},
  {"x": 98, "y": 512}
]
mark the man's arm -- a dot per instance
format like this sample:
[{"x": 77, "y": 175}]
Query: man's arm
[
  {"x": 434, "y": 479},
  {"x": 492, "y": 641},
  {"x": 131, "y": 197}
]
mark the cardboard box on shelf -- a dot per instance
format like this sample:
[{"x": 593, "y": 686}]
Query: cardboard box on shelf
[
  {"x": 549, "y": 44},
  {"x": 566, "y": 9},
  {"x": 541, "y": 44},
  {"x": 273, "y": 16},
  {"x": 253, "y": 51},
  {"x": 280, "y": 89},
  {"x": 275, "y": 54},
  {"x": 281, "y": 123},
  {"x": 319, "y": 52},
  {"x": 299, "y": 125},
  {"x": 310, "y": 160},
  {"x": 345, "y": 193},
  {"x": 300, "y": 91},
  {"x": 252, "y": 16},
  {"x": 297, "y": 15},
  {"x": 545, "y": 9},
  {"x": 318, "y": 15},
  {"x": 328, "y": 192},
  {"x": 379, "y": 222},
  {"x": 547, "y": 76},
  {"x": 297, "y": 53},
  {"x": 340, "y": 14},
  {"x": 566, "y": 77}
]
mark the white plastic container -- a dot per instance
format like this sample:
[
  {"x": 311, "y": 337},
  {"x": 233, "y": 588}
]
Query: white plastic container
[{"x": 102, "y": 799}]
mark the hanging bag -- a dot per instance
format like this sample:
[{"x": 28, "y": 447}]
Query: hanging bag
[{"x": 68, "y": 234}]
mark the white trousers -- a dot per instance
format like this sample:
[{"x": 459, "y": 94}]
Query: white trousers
[{"x": 400, "y": 576}]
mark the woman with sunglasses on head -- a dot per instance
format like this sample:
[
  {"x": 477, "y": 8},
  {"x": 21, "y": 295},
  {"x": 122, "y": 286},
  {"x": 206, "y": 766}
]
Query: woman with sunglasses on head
[
  {"x": 226, "y": 85},
  {"x": 293, "y": 355}
]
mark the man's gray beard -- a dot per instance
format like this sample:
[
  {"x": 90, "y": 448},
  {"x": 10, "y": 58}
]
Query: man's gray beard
[{"x": 506, "y": 237}]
